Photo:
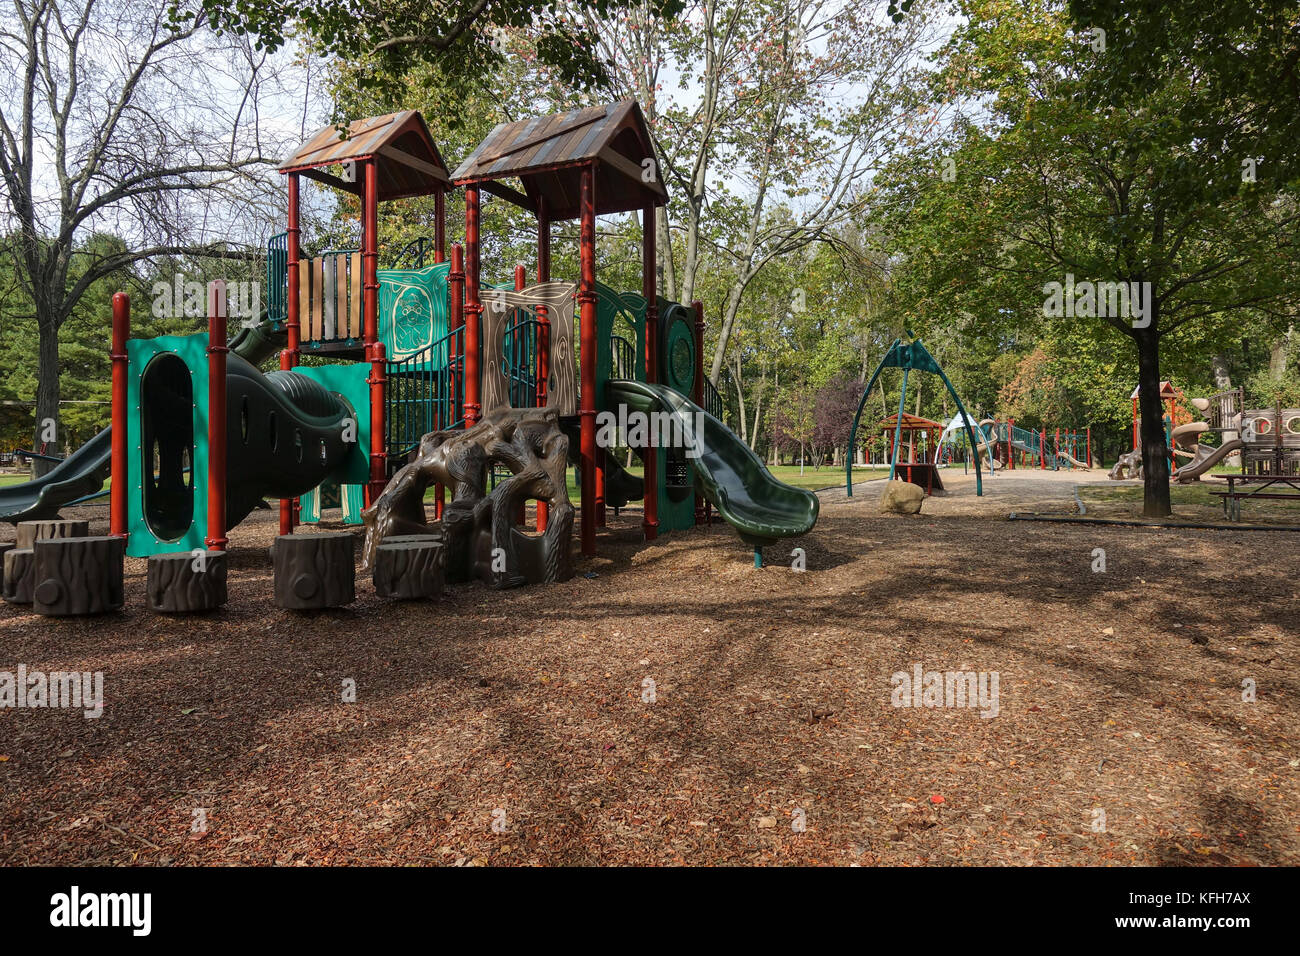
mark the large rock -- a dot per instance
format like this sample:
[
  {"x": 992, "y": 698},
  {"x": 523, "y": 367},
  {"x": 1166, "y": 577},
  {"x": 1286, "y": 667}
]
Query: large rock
[{"x": 901, "y": 498}]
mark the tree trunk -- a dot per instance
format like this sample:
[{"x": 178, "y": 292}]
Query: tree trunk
[
  {"x": 47, "y": 391},
  {"x": 1277, "y": 356},
  {"x": 1219, "y": 369},
  {"x": 1155, "y": 453},
  {"x": 667, "y": 268},
  {"x": 758, "y": 409},
  {"x": 740, "y": 401},
  {"x": 730, "y": 309}
]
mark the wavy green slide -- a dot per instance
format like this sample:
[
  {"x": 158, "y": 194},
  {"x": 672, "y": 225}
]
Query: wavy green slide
[
  {"x": 727, "y": 473},
  {"x": 82, "y": 474}
]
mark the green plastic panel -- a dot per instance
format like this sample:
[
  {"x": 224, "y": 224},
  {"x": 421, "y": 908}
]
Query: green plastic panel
[
  {"x": 345, "y": 487},
  {"x": 412, "y": 309},
  {"x": 192, "y": 350},
  {"x": 610, "y": 307},
  {"x": 677, "y": 347}
]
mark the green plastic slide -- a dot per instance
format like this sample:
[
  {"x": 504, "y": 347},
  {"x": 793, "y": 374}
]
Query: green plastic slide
[{"x": 760, "y": 508}]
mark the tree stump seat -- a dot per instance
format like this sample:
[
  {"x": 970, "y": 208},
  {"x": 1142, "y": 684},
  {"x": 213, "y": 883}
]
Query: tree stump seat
[
  {"x": 409, "y": 569},
  {"x": 314, "y": 571},
  {"x": 31, "y": 531},
  {"x": 186, "y": 582},
  {"x": 19, "y": 565},
  {"x": 77, "y": 576}
]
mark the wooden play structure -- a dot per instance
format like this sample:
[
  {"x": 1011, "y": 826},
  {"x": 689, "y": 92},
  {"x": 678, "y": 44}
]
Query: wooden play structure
[{"x": 920, "y": 435}]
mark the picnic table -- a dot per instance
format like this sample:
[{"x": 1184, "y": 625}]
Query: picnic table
[{"x": 1233, "y": 497}]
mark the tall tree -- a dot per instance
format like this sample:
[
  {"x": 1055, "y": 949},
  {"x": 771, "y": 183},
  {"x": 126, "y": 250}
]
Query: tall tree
[
  {"x": 782, "y": 111},
  {"x": 105, "y": 125},
  {"x": 1071, "y": 180},
  {"x": 464, "y": 40}
]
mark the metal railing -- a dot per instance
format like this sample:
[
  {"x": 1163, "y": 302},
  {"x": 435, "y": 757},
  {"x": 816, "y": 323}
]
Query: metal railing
[
  {"x": 712, "y": 400},
  {"x": 622, "y": 358},
  {"x": 519, "y": 358},
  {"x": 426, "y": 393},
  {"x": 414, "y": 253},
  {"x": 277, "y": 277}
]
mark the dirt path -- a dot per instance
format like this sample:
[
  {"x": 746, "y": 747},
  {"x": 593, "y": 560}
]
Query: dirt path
[{"x": 1120, "y": 693}]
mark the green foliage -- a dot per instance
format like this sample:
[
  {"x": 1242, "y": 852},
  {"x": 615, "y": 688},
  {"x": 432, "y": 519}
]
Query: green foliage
[
  {"x": 1057, "y": 166},
  {"x": 1266, "y": 389},
  {"x": 389, "y": 40},
  {"x": 84, "y": 367}
]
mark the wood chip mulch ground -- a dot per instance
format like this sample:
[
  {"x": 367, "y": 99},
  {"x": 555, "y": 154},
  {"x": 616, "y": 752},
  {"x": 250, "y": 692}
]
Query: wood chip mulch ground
[{"x": 674, "y": 705}]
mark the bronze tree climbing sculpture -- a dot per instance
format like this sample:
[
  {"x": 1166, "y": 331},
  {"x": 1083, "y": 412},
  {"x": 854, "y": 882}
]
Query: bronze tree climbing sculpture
[{"x": 478, "y": 529}]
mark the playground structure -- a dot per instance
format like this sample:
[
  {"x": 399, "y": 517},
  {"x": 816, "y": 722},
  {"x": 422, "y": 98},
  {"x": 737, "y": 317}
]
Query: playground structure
[
  {"x": 1176, "y": 414},
  {"x": 922, "y": 438},
  {"x": 1010, "y": 445},
  {"x": 912, "y": 356},
  {"x": 1189, "y": 456},
  {"x": 1266, "y": 440},
  {"x": 430, "y": 365}
]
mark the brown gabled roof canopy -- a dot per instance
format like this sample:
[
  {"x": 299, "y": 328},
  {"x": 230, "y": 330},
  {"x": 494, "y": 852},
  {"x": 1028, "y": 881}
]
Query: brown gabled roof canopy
[
  {"x": 911, "y": 423},
  {"x": 547, "y": 155},
  {"x": 405, "y": 156}
]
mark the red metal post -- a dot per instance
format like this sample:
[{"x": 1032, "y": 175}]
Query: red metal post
[
  {"x": 587, "y": 362},
  {"x": 701, "y": 505},
  {"x": 650, "y": 289},
  {"x": 1089, "y": 458},
  {"x": 543, "y": 326},
  {"x": 118, "y": 490},
  {"x": 1011, "y": 458},
  {"x": 521, "y": 280},
  {"x": 370, "y": 318},
  {"x": 216, "y": 539},
  {"x": 440, "y": 227},
  {"x": 455, "y": 320},
  {"x": 293, "y": 327},
  {"x": 473, "y": 308}
]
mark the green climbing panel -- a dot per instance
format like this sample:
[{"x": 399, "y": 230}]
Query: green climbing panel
[
  {"x": 345, "y": 489},
  {"x": 412, "y": 309}
]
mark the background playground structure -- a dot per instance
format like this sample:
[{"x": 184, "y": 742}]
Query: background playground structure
[{"x": 1008, "y": 445}]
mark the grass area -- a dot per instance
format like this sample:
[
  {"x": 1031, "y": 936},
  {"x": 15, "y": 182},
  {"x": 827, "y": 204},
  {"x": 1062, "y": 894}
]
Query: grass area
[
  {"x": 6, "y": 480},
  {"x": 812, "y": 479},
  {"x": 1192, "y": 502}
]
